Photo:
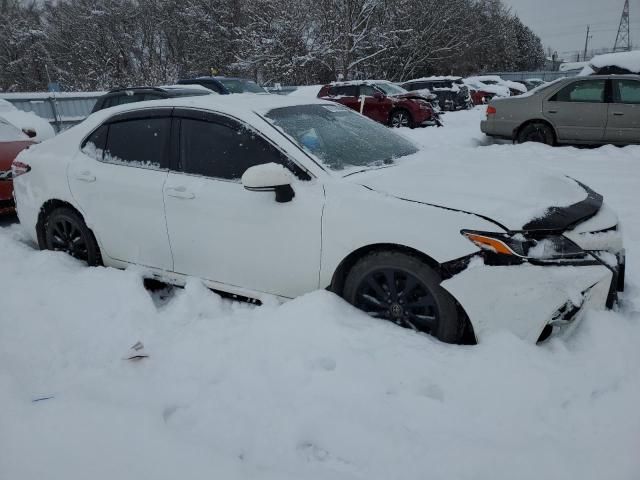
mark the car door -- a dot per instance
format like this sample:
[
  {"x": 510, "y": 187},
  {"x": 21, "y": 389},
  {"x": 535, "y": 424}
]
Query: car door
[
  {"x": 578, "y": 111},
  {"x": 347, "y": 95},
  {"x": 221, "y": 232},
  {"x": 624, "y": 112},
  {"x": 377, "y": 109},
  {"x": 117, "y": 180}
]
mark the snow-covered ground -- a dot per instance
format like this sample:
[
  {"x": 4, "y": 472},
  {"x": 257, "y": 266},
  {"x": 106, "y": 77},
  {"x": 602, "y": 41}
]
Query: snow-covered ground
[{"x": 311, "y": 389}]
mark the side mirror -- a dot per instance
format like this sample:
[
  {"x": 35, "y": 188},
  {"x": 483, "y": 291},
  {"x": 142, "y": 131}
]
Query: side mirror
[
  {"x": 378, "y": 95},
  {"x": 269, "y": 177}
]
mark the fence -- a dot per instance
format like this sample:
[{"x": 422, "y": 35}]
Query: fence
[{"x": 61, "y": 110}]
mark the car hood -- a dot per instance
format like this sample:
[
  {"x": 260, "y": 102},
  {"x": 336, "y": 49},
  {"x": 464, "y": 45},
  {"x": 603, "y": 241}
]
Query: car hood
[{"x": 531, "y": 200}]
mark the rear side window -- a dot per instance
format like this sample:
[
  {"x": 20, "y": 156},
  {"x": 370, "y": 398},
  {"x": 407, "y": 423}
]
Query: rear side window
[
  {"x": 221, "y": 151},
  {"x": 586, "y": 91},
  {"x": 626, "y": 91},
  {"x": 94, "y": 145},
  {"x": 141, "y": 142},
  {"x": 367, "y": 90}
]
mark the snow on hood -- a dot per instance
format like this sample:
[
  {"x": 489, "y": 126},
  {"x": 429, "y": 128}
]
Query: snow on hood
[{"x": 490, "y": 188}]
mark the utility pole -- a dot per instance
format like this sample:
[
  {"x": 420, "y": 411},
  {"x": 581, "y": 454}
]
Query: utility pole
[
  {"x": 623, "y": 38},
  {"x": 586, "y": 44}
]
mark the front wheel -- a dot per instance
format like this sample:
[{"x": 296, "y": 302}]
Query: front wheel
[
  {"x": 400, "y": 118},
  {"x": 401, "y": 288},
  {"x": 66, "y": 231}
]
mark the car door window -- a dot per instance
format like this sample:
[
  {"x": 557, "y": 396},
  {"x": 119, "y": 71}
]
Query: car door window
[
  {"x": 94, "y": 145},
  {"x": 223, "y": 151},
  {"x": 367, "y": 90},
  {"x": 626, "y": 91},
  {"x": 140, "y": 142},
  {"x": 346, "y": 91},
  {"x": 586, "y": 91}
]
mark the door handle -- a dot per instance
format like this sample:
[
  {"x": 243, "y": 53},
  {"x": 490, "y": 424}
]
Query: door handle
[
  {"x": 552, "y": 111},
  {"x": 180, "y": 192},
  {"x": 86, "y": 176},
  {"x": 618, "y": 114}
]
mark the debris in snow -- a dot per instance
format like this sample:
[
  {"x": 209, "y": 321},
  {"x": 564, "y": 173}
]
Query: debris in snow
[{"x": 136, "y": 352}]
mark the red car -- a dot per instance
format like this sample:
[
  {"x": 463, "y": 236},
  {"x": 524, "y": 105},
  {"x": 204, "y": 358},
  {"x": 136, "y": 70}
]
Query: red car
[
  {"x": 383, "y": 102},
  {"x": 12, "y": 142},
  {"x": 480, "y": 97}
]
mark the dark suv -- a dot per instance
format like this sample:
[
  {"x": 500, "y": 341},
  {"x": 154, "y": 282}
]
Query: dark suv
[
  {"x": 120, "y": 96},
  {"x": 452, "y": 93},
  {"x": 383, "y": 102},
  {"x": 225, "y": 85}
]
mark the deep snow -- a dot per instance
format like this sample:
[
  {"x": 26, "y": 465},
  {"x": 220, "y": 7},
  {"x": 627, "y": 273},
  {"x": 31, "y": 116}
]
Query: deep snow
[{"x": 311, "y": 389}]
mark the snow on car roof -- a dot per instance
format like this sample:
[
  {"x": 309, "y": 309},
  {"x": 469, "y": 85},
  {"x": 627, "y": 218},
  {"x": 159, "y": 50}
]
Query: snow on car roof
[
  {"x": 435, "y": 79},
  {"x": 358, "y": 82},
  {"x": 626, "y": 60}
]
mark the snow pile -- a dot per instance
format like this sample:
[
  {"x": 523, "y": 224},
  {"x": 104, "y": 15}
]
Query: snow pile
[{"x": 312, "y": 389}]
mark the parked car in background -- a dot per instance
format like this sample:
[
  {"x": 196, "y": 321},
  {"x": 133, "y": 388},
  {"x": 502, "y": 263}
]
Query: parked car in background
[
  {"x": 480, "y": 94},
  {"x": 121, "y": 96},
  {"x": 12, "y": 141},
  {"x": 532, "y": 83},
  {"x": 590, "y": 110},
  {"x": 36, "y": 128},
  {"x": 452, "y": 93},
  {"x": 234, "y": 192},
  {"x": 619, "y": 63},
  {"x": 383, "y": 102},
  {"x": 225, "y": 85},
  {"x": 506, "y": 87}
]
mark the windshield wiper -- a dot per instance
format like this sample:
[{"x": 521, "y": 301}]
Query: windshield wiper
[{"x": 368, "y": 169}]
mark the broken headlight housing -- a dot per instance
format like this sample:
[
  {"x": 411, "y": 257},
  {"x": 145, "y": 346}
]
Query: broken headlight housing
[{"x": 518, "y": 247}]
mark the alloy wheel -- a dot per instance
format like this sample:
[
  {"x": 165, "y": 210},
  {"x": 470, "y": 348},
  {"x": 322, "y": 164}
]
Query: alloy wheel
[
  {"x": 63, "y": 234},
  {"x": 400, "y": 297},
  {"x": 400, "y": 119}
]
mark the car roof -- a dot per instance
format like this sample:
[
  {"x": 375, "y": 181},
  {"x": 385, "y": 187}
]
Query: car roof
[
  {"x": 208, "y": 77},
  {"x": 356, "y": 82},
  {"x": 169, "y": 89},
  {"x": 241, "y": 105},
  {"x": 449, "y": 78}
]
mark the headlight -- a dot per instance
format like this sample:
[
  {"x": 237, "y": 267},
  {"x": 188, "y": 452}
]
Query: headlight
[{"x": 551, "y": 247}]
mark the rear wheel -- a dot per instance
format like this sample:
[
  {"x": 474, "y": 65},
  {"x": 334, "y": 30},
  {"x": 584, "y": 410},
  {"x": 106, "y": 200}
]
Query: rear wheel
[
  {"x": 400, "y": 118},
  {"x": 401, "y": 288},
  {"x": 536, "y": 132},
  {"x": 66, "y": 231}
]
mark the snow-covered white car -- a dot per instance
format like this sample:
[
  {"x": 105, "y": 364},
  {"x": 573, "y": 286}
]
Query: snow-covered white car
[
  {"x": 501, "y": 87},
  {"x": 276, "y": 196}
]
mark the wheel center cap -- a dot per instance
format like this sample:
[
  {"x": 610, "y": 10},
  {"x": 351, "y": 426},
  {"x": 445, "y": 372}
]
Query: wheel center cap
[{"x": 396, "y": 310}]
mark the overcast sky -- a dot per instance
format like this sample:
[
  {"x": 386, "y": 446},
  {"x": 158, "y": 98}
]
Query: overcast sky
[{"x": 562, "y": 24}]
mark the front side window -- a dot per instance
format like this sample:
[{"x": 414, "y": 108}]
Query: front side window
[
  {"x": 141, "y": 142},
  {"x": 586, "y": 91},
  {"x": 340, "y": 138},
  {"x": 390, "y": 88},
  {"x": 626, "y": 91},
  {"x": 220, "y": 151}
]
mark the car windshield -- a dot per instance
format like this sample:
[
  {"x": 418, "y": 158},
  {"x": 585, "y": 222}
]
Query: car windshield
[
  {"x": 340, "y": 138},
  {"x": 390, "y": 88},
  {"x": 241, "y": 86}
]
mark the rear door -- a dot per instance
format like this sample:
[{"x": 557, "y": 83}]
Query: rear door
[
  {"x": 624, "y": 112},
  {"x": 579, "y": 110},
  {"x": 347, "y": 95},
  {"x": 117, "y": 180}
]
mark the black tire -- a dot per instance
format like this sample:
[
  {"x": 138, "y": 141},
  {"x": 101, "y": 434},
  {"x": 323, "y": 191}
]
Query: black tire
[
  {"x": 401, "y": 288},
  {"x": 66, "y": 231},
  {"x": 400, "y": 118},
  {"x": 536, "y": 132}
]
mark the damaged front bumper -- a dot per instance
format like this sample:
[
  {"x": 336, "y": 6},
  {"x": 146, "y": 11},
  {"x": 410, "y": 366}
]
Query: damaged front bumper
[{"x": 532, "y": 300}]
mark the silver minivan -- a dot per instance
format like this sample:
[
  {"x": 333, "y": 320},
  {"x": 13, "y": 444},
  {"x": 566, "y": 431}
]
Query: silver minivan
[{"x": 592, "y": 110}]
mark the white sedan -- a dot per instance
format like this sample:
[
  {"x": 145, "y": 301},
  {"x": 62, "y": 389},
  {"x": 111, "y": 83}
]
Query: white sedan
[{"x": 281, "y": 196}]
